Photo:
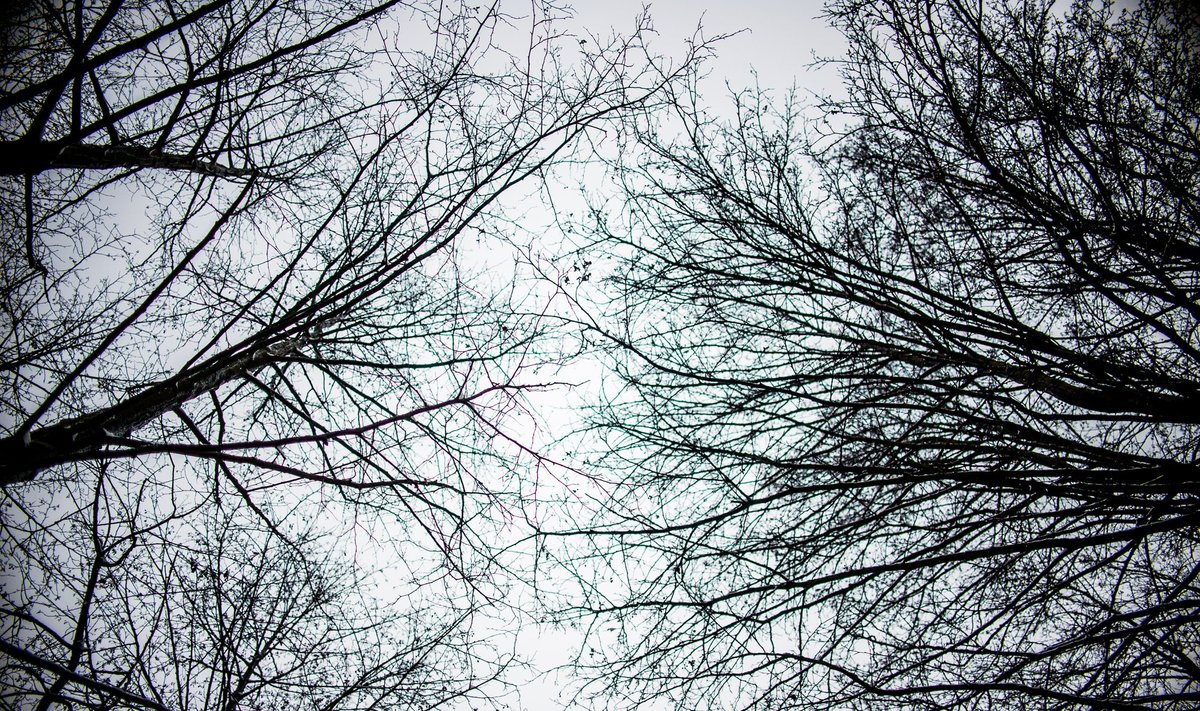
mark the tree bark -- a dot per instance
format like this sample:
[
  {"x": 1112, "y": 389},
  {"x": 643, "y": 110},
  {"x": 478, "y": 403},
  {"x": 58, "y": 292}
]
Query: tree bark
[
  {"x": 33, "y": 157},
  {"x": 84, "y": 437}
]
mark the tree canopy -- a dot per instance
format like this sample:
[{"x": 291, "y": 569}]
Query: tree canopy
[
  {"x": 247, "y": 344},
  {"x": 902, "y": 400},
  {"x": 909, "y": 390}
]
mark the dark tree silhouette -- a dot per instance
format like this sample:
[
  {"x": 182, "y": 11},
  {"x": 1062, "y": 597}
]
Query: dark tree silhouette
[
  {"x": 216, "y": 611},
  {"x": 912, "y": 391},
  {"x": 241, "y": 283}
]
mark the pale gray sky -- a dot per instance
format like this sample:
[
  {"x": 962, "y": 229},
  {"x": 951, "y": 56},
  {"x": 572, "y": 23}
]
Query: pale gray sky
[{"x": 780, "y": 41}]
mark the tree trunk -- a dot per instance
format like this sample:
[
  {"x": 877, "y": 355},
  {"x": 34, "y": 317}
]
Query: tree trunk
[{"x": 83, "y": 437}]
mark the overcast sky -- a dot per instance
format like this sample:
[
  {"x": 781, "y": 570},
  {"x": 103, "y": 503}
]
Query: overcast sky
[{"x": 780, "y": 40}]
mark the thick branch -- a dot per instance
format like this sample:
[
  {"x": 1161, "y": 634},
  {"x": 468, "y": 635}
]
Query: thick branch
[
  {"x": 33, "y": 157},
  {"x": 128, "y": 697},
  {"x": 22, "y": 457}
]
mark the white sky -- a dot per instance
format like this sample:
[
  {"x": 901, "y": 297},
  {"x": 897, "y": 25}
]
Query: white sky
[{"x": 780, "y": 42}]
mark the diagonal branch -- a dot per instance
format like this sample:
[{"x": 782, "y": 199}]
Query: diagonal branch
[
  {"x": 23, "y": 456},
  {"x": 33, "y": 157}
]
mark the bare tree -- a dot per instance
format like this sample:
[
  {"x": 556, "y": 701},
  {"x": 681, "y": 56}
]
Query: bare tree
[
  {"x": 911, "y": 392},
  {"x": 213, "y": 610},
  {"x": 238, "y": 285}
]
